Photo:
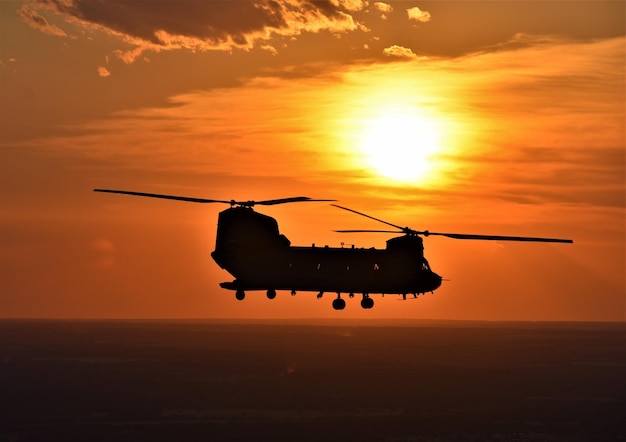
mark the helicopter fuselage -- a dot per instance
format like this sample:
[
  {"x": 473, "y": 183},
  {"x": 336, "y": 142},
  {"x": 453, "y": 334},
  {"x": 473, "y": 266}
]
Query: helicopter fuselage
[{"x": 250, "y": 247}]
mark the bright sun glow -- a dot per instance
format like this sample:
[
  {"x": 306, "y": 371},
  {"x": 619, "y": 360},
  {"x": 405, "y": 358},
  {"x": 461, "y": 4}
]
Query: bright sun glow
[{"x": 399, "y": 145}]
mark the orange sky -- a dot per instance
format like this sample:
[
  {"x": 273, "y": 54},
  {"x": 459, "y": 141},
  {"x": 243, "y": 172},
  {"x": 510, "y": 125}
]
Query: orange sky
[{"x": 457, "y": 116}]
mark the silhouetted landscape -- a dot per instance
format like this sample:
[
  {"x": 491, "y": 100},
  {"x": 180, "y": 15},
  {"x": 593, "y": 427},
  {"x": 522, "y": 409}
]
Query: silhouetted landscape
[{"x": 311, "y": 380}]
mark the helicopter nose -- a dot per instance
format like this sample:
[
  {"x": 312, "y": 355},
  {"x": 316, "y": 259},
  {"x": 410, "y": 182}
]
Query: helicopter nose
[{"x": 436, "y": 280}]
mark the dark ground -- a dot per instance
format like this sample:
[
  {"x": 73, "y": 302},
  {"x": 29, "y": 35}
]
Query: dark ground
[{"x": 323, "y": 381}]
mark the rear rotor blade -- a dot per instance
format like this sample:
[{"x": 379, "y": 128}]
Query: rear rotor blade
[
  {"x": 368, "y": 231},
  {"x": 167, "y": 197},
  {"x": 495, "y": 237},
  {"x": 403, "y": 229}
]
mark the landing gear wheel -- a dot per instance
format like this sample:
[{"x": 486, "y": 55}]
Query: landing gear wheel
[
  {"x": 271, "y": 294},
  {"x": 339, "y": 304},
  {"x": 240, "y": 295},
  {"x": 367, "y": 303}
]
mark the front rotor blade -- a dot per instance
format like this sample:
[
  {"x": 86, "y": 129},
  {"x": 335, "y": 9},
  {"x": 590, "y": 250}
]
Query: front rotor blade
[
  {"x": 496, "y": 237},
  {"x": 295, "y": 199},
  {"x": 404, "y": 230},
  {"x": 167, "y": 197}
]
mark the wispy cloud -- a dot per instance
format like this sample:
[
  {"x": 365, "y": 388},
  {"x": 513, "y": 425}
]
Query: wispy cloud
[
  {"x": 37, "y": 21},
  {"x": 518, "y": 128}
]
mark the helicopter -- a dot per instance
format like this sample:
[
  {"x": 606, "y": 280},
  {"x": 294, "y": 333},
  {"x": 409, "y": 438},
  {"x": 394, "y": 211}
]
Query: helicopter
[{"x": 251, "y": 248}]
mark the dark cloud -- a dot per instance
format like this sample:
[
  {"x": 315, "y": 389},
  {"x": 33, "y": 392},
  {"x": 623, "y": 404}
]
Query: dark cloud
[{"x": 205, "y": 24}]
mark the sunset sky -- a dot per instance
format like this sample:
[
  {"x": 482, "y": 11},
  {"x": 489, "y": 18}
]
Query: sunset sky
[{"x": 490, "y": 117}]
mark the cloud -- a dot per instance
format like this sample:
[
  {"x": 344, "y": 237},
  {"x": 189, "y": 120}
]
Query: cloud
[
  {"x": 418, "y": 15},
  {"x": 200, "y": 25},
  {"x": 350, "y": 5},
  {"x": 399, "y": 52},
  {"x": 383, "y": 8},
  {"x": 37, "y": 21},
  {"x": 269, "y": 48},
  {"x": 103, "y": 72}
]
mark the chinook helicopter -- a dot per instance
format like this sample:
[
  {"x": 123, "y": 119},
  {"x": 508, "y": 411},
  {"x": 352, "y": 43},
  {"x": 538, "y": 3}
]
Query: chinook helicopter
[{"x": 250, "y": 247}]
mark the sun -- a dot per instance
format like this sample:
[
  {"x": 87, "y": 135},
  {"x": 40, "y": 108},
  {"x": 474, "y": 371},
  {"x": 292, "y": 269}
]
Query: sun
[{"x": 400, "y": 145}]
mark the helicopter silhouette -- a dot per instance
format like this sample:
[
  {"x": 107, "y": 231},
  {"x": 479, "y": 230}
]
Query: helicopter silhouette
[{"x": 250, "y": 247}]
